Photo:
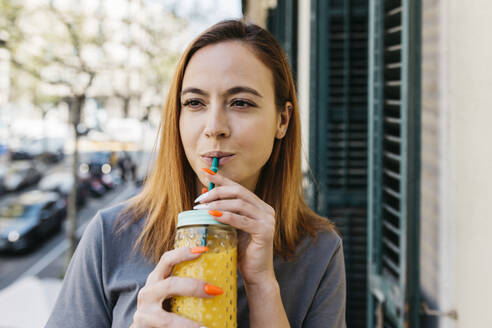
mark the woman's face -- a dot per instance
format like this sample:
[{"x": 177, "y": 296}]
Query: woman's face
[{"x": 228, "y": 106}]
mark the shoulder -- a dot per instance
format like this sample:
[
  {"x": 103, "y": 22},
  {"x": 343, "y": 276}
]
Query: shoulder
[
  {"x": 328, "y": 238},
  {"x": 325, "y": 244},
  {"x": 104, "y": 226},
  {"x": 313, "y": 255},
  {"x": 111, "y": 217}
]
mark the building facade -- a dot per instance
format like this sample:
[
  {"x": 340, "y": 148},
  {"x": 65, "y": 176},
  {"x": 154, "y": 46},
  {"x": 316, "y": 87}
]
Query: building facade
[{"x": 394, "y": 107}]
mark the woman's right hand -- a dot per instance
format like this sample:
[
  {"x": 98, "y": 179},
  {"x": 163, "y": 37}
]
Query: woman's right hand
[{"x": 160, "y": 286}]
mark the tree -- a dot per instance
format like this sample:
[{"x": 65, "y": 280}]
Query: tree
[
  {"x": 151, "y": 51},
  {"x": 66, "y": 50},
  {"x": 58, "y": 60}
]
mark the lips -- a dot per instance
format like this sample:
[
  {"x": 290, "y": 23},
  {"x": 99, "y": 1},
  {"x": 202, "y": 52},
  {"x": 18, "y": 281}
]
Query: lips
[
  {"x": 216, "y": 154},
  {"x": 224, "y": 157}
]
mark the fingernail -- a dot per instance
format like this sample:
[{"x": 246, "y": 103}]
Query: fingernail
[
  {"x": 204, "y": 190},
  {"x": 200, "y": 206},
  {"x": 198, "y": 250},
  {"x": 207, "y": 170},
  {"x": 215, "y": 213},
  {"x": 201, "y": 197},
  {"x": 212, "y": 290}
]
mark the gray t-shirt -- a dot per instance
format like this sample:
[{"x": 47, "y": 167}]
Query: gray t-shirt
[{"x": 102, "y": 282}]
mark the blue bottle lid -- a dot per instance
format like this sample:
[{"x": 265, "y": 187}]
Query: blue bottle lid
[{"x": 196, "y": 217}]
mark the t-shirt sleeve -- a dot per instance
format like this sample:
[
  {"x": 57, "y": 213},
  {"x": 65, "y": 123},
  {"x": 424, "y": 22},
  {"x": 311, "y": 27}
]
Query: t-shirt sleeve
[
  {"x": 82, "y": 301},
  {"x": 328, "y": 306}
]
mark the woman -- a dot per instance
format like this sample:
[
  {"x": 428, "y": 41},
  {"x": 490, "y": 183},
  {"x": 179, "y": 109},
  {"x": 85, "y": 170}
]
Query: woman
[{"x": 232, "y": 97}]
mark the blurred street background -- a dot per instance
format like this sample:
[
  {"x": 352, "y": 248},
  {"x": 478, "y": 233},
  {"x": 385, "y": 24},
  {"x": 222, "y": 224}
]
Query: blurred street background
[
  {"x": 82, "y": 85},
  {"x": 394, "y": 98}
]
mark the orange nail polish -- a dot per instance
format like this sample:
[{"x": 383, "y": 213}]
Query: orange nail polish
[
  {"x": 212, "y": 290},
  {"x": 209, "y": 171},
  {"x": 215, "y": 213},
  {"x": 204, "y": 190},
  {"x": 199, "y": 249}
]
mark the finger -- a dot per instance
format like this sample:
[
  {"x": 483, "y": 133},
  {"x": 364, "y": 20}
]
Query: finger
[
  {"x": 180, "y": 286},
  {"x": 217, "y": 178},
  {"x": 265, "y": 229},
  {"x": 251, "y": 205},
  {"x": 169, "y": 259},
  {"x": 238, "y": 189},
  {"x": 174, "y": 320},
  {"x": 230, "y": 191},
  {"x": 160, "y": 318},
  {"x": 238, "y": 206},
  {"x": 242, "y": 222}
]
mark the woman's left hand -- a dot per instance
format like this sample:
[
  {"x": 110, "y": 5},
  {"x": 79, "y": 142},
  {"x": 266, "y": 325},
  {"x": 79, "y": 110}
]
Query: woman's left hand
[{"x": 233, "y": 204}]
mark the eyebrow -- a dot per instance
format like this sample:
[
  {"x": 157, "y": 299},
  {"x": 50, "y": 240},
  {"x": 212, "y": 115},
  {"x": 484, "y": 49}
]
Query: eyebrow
[{"x": 229, "y": 92}]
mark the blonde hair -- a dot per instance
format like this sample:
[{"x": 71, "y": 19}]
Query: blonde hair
[{"x": 171, "y": 185}]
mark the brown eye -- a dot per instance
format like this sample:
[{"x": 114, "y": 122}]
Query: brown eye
[
  {"x": 239, "y": 103},
  {"x": 192, "y": 103}
]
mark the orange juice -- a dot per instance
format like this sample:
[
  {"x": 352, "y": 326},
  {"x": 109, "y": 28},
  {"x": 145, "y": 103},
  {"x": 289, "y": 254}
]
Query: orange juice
[{"x": 217, "y": 266}]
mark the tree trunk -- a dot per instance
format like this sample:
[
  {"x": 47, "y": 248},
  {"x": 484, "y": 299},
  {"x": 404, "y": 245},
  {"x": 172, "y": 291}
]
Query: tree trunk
[
  {"x": 45, "y": 141},
  {"x": 126, "y": 107},
  {"x": 76, "y": 109}
]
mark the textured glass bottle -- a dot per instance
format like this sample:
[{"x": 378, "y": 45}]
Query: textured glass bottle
[{"x": 217, "y": 266}]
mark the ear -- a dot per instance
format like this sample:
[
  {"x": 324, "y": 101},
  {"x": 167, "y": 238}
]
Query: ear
[{"x": 283, "y": 120}]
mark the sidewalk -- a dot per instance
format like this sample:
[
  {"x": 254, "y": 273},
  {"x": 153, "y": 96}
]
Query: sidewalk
[{"x": 27, "y": 303}]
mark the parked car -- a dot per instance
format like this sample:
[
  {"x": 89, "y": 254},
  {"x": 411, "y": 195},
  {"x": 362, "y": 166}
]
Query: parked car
[
  {"x": 29, "y": 218},
  {"x": 93, "y": 183},
  {"x": 50, "y": 150},
  {"x": 21, "y": 174},
  {"x": 98, "y": 166},
  {"x": 62, "y": 183}
]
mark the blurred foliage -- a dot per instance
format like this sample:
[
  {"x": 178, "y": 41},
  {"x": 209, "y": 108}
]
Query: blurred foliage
[{"x": 66, "y": 50}]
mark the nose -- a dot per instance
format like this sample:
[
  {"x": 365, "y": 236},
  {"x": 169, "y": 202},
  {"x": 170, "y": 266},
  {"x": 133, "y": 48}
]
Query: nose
[{"x": 217, "y": 124}]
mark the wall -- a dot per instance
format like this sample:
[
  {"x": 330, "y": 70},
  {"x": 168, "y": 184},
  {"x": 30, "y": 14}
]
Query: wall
[
  {"x": 456, "y": 161},
  {"x": 430, "y": 214},
  {"x": 470, "y": 87},
  {"x": 303, "y": 55}
]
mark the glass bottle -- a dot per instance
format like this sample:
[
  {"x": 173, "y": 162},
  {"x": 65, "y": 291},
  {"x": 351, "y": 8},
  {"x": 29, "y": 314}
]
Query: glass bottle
[{"x": 217, "y": 266}]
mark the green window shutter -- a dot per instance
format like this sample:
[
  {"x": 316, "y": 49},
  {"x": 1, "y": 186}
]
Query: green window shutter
[
  {"x": 338, "y": 134},
  {"x": 282, "y": 23},
  {"x": 393, "y": 164}
]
